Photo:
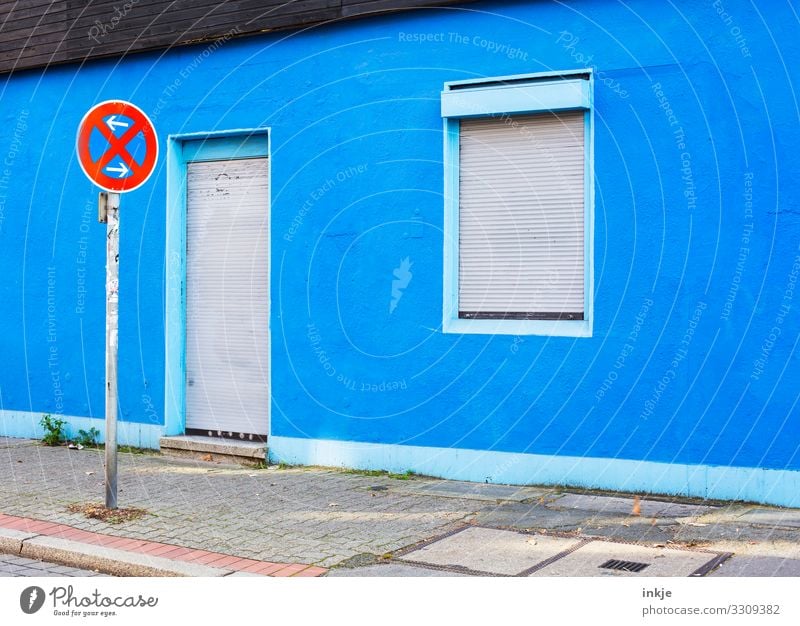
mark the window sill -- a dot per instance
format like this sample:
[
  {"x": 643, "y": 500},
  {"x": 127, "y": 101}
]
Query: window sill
[{"x": 550, "y": 328}]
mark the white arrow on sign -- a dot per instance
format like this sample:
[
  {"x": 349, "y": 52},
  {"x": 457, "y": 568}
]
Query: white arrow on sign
[
  {"x": 122, "y": 170},
  {"x": 112, "y": 123}
]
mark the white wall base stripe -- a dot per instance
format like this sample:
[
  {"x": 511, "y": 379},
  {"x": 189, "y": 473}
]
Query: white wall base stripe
[
  {"x": 26, "y": 425},
  {"x": 768, "y": 486}
]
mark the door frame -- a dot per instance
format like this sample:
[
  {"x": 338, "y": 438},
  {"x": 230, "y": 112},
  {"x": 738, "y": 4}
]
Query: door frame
[{"x": 175, "y": 260}]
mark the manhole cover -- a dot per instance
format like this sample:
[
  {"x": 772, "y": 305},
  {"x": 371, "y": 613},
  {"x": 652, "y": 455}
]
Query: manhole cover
[{"x": 625, "y": 566}]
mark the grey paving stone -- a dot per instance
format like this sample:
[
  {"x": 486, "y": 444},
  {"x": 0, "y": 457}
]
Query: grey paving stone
[
  {"x": 624, "y": 506},
  {"x": 392, "y": 570},
  {"x": 16, "y": 559},
  {"x": 12, "y": 442},
  {"x": 639, "y": 530},
  {"x": 535, "y": 516},
  {"x": 492, "y": 551},
  {"x": 734, "y": 531},
  {"x": 772, "y": 517},
  {"x": 26, "y": 572},
  {"x": 474, "y": 491},
  {"x": 11, "y": 565},
  {"x": 758, "y": 566},
  {"x": 36, "y": 564},
  {"x": 586, "y": 561}
]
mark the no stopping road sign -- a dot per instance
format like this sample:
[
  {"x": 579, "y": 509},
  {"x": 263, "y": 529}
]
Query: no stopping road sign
[{"x": 117, "y": 146}]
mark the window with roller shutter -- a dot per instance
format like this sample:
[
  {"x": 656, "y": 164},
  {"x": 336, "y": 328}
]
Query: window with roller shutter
[{"x": 518, "y": 225}]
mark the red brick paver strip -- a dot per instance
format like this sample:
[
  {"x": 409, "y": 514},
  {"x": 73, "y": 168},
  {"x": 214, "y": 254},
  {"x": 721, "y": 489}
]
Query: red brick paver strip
[
  {"x": 223, "y": 561},
  {"x": 76, "y": 535},
  {"x": 291, "y": 570},
  {"x": 208, "y": 558},
  {"x": 162, "y": 550},
  {"x": 123, "y": 543},
  {"x": 311, "y": 571},
  {"x": 194, "y": 555},
  {"x": 263, "y": 568},
  {"x": 156, "y": 549},
  {"x": 176, "y": 553}
]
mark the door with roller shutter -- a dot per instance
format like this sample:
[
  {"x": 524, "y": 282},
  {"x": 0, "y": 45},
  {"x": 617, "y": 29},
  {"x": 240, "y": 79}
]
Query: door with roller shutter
[{"x": 227, "y": 297}]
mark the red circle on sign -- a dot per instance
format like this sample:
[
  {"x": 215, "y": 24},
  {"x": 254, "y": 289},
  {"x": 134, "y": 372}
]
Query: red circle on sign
[{"x": 116, "y": 170}]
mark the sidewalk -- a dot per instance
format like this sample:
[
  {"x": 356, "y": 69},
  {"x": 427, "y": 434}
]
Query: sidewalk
[{"x": 312, "y": 521}]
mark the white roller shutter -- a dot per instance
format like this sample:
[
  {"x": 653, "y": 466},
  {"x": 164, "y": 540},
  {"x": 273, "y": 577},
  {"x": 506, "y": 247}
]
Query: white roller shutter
[
  {"x": 521, "y": 217},
  {"x": 227, "y": 296}
]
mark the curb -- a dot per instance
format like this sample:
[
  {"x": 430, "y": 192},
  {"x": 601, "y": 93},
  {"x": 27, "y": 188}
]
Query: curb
[
  {"x": 109, "y": 560},
  {"x": 122, "y": 556}
]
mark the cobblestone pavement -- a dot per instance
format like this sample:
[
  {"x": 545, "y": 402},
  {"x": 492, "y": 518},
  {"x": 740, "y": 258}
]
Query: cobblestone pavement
[
  {"x": 292, "y": 515},
  {"x": 334, "y": 518},
  {"x": 17, "y": 566}
]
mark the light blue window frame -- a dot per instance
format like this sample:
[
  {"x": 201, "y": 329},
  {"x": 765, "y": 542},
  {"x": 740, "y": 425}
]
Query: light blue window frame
[
  {"x": 183, "y": 149},
  {"x": 518, "y": 94}
]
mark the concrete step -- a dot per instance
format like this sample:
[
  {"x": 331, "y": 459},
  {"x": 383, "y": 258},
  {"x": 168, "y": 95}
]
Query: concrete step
[{"x": 214, "y": 449}]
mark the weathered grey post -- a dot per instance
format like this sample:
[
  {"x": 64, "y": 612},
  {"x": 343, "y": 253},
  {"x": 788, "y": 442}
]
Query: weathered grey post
[{"x": 112, "y": 332}]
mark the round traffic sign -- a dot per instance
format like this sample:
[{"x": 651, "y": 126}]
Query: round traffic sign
[{"x": 117, "y": 146}]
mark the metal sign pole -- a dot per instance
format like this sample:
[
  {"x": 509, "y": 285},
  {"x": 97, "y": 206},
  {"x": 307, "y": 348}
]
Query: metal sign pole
[
  {"x": 112, "y": 331},
  {"x": 115, "y": 171}
]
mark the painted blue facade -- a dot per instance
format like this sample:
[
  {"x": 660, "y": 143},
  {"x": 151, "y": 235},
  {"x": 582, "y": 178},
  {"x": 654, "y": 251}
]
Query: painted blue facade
[{"x": 693, "y": 355}]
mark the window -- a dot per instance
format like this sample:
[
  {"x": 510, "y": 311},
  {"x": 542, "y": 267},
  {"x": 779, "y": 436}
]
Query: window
[{"x": 518, "y": 217}]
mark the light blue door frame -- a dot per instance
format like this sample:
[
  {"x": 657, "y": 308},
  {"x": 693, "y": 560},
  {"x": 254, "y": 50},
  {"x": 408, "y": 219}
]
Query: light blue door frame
[{"x": 181, "y": 150}]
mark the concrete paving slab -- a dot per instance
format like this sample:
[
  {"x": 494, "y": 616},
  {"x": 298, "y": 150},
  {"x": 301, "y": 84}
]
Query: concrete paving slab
[
  {"x": 109, "y": 560},
  {"x": 11, "y": 540},
  {"x": 534, "y": 516},
  {"x": 391, "y": 570},
  {"x": 787, "y": 518},
  {"x": 493, "y": 551},
  {"x": 586, "y": 561},
  {"x": 636, "y": 530},
  {"x": 476, "y": 491},
  {"x": 779, "y": 548},
  {"x": 758, "y": 566},
  {"x": 735, "y": 532},
  {"x": 624, "y": 506}
]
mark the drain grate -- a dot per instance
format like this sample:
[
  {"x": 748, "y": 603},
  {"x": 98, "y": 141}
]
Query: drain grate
[{"x": 624, "y": 566}]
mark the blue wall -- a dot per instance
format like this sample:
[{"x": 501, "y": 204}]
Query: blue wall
[{"x": 695, "y": 138}]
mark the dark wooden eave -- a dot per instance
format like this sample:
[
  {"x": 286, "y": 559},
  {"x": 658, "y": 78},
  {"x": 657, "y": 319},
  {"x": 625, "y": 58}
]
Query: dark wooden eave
[{"x": 38, "y": 33}]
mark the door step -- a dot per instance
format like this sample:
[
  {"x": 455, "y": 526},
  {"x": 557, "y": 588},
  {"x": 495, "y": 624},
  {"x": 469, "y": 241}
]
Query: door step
[{"x": 215, "y": 449}]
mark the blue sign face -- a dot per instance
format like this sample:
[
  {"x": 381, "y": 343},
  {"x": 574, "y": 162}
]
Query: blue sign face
[{"x": 99, "y": 143}]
